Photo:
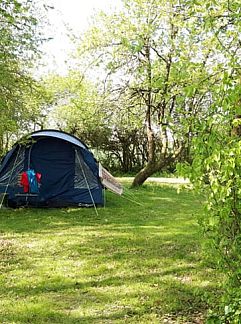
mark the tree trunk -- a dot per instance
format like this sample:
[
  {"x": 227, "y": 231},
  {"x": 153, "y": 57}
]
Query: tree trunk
[
  {"x": 151, "y": 165},
  {"x": 151, "y": 168},
  {"x": 145, "y": 173}
]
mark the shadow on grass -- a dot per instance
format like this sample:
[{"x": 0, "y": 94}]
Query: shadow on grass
[
  {"x": 140, "y": 261},
  {"x": 85, "y": 296}
]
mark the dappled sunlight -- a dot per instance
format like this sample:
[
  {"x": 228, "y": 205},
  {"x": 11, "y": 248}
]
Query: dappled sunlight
[
  {"x": 124, "y": 264},
  {"x": 161, "y": 198}
]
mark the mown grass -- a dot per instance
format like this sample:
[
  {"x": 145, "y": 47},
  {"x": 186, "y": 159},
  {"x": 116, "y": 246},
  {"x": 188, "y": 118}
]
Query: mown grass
[{"x": 128, "y": 264}]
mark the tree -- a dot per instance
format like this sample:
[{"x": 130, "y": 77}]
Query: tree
[
  {"x": 124, "y": 145},
  {"x": 78, "y": 107},
  {"x": 19, "y": 40},
  {"x": 215, "y": 170},
  {"x": 82, "y": 110},
  {"x": 151, "y": 51}
]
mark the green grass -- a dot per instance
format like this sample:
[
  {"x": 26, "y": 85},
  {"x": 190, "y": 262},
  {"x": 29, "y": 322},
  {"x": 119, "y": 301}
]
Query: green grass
[{"x": 130, "y": 264}]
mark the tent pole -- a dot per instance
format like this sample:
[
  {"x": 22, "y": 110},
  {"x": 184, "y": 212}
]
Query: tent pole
[
  {"x": 10, "y": 177},
  {"x": 29, "y": 155},
  {"x": 104, "y": 197},
  {"x": 87, "y": 184}
]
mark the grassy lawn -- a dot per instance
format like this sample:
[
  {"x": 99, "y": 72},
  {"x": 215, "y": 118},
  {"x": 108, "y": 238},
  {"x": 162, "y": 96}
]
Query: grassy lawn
[{"x": 130, "y": 264}]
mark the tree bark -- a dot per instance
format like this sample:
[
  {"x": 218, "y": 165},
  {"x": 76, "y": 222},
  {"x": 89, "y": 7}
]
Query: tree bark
[
  {"x": 151, "y": 165},
  {"x": 145, "y": 173}
]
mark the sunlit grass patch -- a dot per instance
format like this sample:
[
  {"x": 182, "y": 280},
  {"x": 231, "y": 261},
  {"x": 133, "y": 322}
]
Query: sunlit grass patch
[{"x": 131, "y": 263}]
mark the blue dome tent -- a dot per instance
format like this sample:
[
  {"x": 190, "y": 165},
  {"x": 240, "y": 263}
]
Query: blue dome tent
[{"x": 51, "y": 169}]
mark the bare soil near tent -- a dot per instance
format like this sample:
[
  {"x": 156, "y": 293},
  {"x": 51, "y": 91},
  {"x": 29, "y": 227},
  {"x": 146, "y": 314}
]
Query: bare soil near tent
[{"x": 133, "y": 263}]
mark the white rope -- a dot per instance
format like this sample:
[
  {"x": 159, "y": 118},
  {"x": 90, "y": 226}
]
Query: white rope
[
  {"x": 129, "y": 195},
  {"x": 10, "y": 177},
  {"x": 87, "y": 184},
  {"x": 131, "y": 200}
]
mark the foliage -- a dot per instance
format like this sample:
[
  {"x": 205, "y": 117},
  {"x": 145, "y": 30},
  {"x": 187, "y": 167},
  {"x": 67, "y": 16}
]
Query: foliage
[
  {"x": 130, "y": 264},
  {"x": 159, "y": 54},
  {"x": 102, "y": 122},
  {"x": 78, "y": 108},
  {"x": 216, "y": 168},
  {"x": 216, "y": 171},
  {"x": 19, "y": 40}
]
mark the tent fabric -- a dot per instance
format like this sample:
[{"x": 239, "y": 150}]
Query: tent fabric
[
  {"x": 84, "y": 176},
  {"x": 11, "y": 167},
  {"x": 61, "y": 135},
  {"x": 69, "y": 172}
]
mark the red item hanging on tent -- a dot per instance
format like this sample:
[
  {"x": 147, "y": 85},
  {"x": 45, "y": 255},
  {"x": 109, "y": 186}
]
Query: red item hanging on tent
[
  {"x": 24, "y": 182},
  {"x": 38, "y": 177}
]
